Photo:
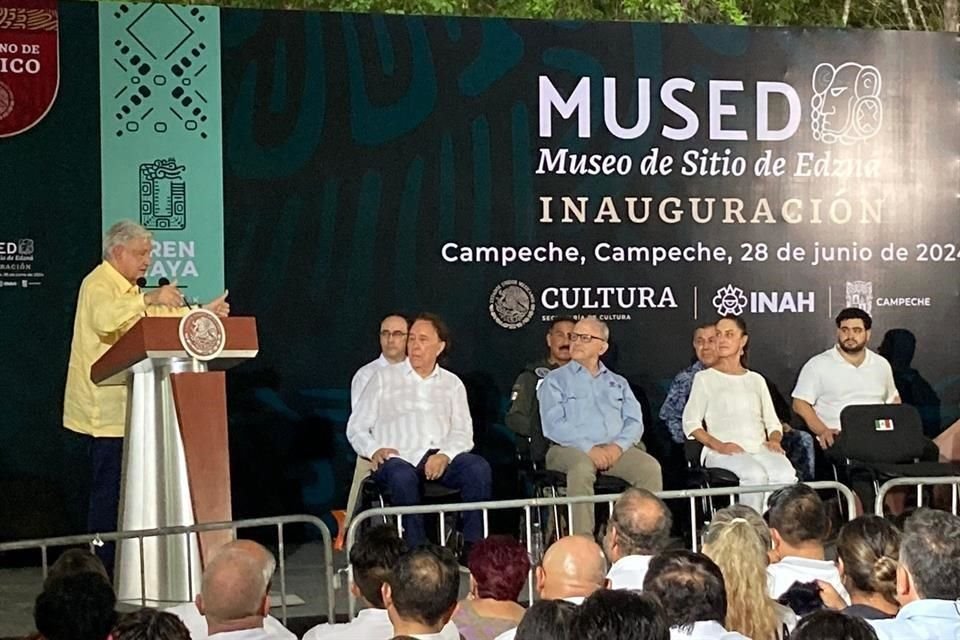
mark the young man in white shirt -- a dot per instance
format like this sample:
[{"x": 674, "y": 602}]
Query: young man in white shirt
[
  {"x": 691, "y": 589},
  {"x": 846, "y": 374},
  {"x": 413, "y": 423},
  {"x": 798, "y": 527},
  {"x": 393, "y": 349},
  {"x": 372, "y": 557},
  {"x": 638, "y": 529}
]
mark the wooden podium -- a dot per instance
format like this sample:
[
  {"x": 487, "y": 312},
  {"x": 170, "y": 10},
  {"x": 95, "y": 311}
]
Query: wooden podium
[{"x": 176, "y": 461}]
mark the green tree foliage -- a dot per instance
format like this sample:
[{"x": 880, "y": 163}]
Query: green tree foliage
[{"x": 871, "y": 14}]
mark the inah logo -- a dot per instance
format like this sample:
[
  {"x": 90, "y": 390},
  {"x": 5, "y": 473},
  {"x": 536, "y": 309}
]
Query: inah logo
[
  {"x": 511, "y": 304},
  {"x": 730, "y": 299},
  {"x": 860, "y": 295},
  {"x": 846, "y": 103}
]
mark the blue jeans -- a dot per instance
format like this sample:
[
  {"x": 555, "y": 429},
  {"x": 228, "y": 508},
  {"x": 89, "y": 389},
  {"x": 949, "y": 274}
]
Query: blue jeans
[{"x": 468, "y": 473}]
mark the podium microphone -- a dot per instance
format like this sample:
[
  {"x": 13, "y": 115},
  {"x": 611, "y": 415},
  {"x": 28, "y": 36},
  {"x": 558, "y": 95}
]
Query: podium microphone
[{"x": 142, "y": 282}]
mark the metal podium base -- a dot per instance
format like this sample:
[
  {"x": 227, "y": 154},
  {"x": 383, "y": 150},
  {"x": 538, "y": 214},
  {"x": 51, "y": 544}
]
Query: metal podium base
[{"x": 155, "y": 493}]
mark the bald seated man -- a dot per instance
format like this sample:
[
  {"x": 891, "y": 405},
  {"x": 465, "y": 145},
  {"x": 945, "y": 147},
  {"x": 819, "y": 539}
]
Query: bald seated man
[
  {"x": 234, "y": 600},
  {"x": 572, "y": 569}
]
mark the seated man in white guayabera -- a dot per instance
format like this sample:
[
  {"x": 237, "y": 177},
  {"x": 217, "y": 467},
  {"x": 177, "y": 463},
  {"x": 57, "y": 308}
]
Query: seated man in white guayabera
[
  {"x": 731, "y": 413},
  {"x": 594, "y": 422},
  {"x": 413, "y": 423},
  {"x": 393, "y": 349}
]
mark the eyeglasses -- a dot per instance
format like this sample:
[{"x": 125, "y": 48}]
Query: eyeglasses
[
  {"x": 584, "y": 337},
  {"x": 399, "y": 335}
]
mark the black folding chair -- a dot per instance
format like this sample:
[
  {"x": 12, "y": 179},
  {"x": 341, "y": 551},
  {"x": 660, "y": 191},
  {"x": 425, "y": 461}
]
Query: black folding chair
[{"x": 879, "y": 442}]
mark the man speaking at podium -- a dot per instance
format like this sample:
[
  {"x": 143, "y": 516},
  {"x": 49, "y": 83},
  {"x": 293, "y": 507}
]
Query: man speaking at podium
[{"x": 109, "y": 304}]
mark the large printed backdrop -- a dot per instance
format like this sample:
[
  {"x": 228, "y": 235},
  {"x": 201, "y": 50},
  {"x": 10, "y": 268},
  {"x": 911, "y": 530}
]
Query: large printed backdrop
[{"x": 499, "y": 173}]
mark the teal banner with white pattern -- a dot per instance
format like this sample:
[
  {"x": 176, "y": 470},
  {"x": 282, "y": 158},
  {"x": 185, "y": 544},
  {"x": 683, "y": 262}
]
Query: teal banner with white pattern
[{"x": 160, "y": 136}]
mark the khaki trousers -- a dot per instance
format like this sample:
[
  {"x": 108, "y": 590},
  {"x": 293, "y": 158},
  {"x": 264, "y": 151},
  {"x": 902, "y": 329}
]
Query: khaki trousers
[{"x": 635, "y": 466}]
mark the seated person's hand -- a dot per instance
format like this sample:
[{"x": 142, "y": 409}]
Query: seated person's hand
[
  {"x": 827, "y": 437},
  {"x": 436, "y": 465},
  {"x": 614, "y": 452},
  {"x": 600, "y": 457},
  {"x": 774, "y": 446},
  {"x": 831, "y": 599},
  {"x": 729, "y": 448},
  {"x": 382, "y": 455}
]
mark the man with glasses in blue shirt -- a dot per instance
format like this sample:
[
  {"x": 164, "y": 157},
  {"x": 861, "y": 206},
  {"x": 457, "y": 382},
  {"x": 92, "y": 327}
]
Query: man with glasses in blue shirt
[{"x": 594, "y": 423}]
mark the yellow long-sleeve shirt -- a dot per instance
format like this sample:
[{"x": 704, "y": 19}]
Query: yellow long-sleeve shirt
[{"x": 107, "y": 307}]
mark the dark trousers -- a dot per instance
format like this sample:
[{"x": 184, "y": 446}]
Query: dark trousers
[
  {"x": 106, "y": 460},
  {"x": 468, "y": 473}
]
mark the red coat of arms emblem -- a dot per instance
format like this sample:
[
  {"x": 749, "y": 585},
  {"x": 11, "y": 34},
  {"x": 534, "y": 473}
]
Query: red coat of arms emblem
[{"x": 29, "y": 63}]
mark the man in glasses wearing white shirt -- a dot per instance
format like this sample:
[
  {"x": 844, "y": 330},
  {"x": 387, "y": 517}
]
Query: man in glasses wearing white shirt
[
  {"x": 594, "y": 421},
  {"x": 413, "y": 423}
]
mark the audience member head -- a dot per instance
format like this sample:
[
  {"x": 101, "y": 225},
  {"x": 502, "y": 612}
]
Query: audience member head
[
  {"x": 498, "y": 568},
  {"x": 573, "y": 566},
  {"x": 929, "y": 557},
  {"x": 427, "y": 340},
  {"x": 591, "y": 339},
  {"x": 734, "y": 541},
  {"x": 558, "y": 339},
  {"x": 798, "y": 522},
  {"x": 372, "y": 557},
  {"x": 868, "y": 549},
  {"x": 853, "y": 330},
  {"x": 689, "y": 586},
  {"x": 421, "y": 592},
  {"x": 547, "y": 620},
  {"x": 393, "y": 337},
  {"x": 732, "y": 339},
  {"x": 705, "y": 344},
  {"x": 74, "y": 561},
  {"x": 833, "y": 625},
  {"x": 639, "y": 526},
  {"x": 150, "y": 624},
  {"x": 235, "y": 592},
  {"x": 619, "y": 614},
  {"x": 76, "y": 607}
]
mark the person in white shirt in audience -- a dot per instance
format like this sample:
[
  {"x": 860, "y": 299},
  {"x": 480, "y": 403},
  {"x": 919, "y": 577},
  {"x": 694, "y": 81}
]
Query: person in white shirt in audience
[
  {"x": 638, "y": 529},
  {"x": 234, "y": 596},
  {"x": 247, "y": 555},
  {"x": 413, "y": 423},
  {"x": 573, "y": 568},
  {"x": 420, "y": 594},
  {"x": 620, "y": 614},
  {"x": 393, "y": 349},
  {"x": 738, "y": 540},
  {"x": 928, "y": 580},
  {"x": 691, "y": 589},
  {"x": 798, "y": 525},
  {"x": 372, "y": 558},
  {"x": 847, "y": 373},
  {"x": 731, "y": 413}
]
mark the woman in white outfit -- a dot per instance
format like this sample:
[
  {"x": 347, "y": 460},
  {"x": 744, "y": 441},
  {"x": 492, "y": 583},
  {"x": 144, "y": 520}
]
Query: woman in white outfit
[{"x": 730, "y": 412}]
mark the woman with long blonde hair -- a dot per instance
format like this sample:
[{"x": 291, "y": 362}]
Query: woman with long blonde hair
[{"x": 738, "y": 540}]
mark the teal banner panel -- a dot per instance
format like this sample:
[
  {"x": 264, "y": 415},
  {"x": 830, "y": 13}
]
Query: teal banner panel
[{"x": 160, "y": 136}]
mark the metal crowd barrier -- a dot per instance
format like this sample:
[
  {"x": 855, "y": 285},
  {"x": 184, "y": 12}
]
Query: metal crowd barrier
[
  {"x": 96, "y": 539},
  {"x": 954, "y": 481},
  {"x": 529, "y": 504}
]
